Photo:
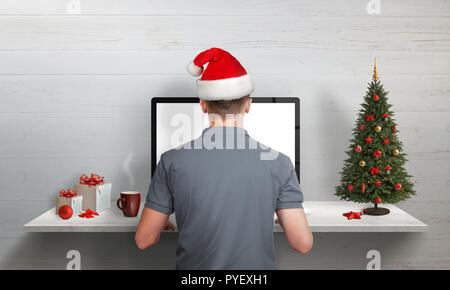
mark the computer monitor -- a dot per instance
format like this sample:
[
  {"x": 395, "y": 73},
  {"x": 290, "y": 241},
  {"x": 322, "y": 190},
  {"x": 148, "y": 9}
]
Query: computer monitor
[{"x": 274, "y": 122}]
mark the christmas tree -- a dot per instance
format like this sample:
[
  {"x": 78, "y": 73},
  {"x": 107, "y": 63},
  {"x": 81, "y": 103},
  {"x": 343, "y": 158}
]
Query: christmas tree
[{"x": 373, "y": 171}]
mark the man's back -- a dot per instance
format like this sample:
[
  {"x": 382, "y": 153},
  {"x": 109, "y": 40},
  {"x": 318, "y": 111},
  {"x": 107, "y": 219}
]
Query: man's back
[{"x": 224, "y": 199}]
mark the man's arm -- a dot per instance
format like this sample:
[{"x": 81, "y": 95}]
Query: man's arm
[
  {"x": 150, "y": 226},
  {"x": 294, "y": 223}
]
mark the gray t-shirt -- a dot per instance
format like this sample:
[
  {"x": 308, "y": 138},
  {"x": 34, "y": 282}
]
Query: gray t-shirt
[{"x": 224, "y": 199}]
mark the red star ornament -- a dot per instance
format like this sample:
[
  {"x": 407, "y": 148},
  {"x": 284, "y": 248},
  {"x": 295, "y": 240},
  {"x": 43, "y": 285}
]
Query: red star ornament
[
  {"x": 387, "y": 141},
  {"x": 350, "y": 187},
  {"x": 378, "y": 183},
  {"x": 361, "y": 127},
  {"x": 352, "y": 215},
  {"x": 369, "y": 140}
]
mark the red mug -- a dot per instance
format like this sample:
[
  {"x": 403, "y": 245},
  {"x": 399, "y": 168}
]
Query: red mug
[{"x": 129, "y": 202}]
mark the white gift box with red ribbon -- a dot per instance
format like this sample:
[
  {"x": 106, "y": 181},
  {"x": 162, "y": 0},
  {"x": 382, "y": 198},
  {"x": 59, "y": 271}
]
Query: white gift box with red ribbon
[{"x": 95, "y": 197}]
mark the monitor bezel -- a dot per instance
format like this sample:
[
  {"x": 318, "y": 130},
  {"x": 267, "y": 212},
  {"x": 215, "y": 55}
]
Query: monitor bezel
[{"x": 164, "y": 100}]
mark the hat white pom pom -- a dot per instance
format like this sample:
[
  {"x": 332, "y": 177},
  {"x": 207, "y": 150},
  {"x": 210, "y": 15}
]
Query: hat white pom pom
[{"x": 194, "y": 70}]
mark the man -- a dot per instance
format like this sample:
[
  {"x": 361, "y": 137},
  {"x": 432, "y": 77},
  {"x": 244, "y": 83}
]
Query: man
[{"x": 224, "y": 186}]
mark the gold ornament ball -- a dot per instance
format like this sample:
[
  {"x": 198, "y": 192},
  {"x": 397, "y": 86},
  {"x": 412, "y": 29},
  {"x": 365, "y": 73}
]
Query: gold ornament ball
[
  {"x": 362, "y": 163},
  {"x": 395, "y": 152},
  {"x": 377, "y": 129}
]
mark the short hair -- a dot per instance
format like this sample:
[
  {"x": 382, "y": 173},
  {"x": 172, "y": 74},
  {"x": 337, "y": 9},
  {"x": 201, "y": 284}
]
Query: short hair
[{"x": 224, "y": 107}]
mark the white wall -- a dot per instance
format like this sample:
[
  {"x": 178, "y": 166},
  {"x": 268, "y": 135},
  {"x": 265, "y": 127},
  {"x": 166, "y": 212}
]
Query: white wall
[{"x": 75, "y": 95}]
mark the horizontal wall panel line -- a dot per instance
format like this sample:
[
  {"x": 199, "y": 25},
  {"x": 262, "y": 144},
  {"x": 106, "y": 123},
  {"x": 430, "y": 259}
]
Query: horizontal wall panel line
[
  {"x": 406, "y": 8},
  {"x": 220, "y": 15},
  {"x": 125, "y": 32},
  {"x": 199, "y": 49},
  {"x": 411, "y": 156},
  {"x": 262, "y": 74}
]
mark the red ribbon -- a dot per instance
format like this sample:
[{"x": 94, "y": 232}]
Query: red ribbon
[
  {"x": 67, "y": 194},
  {"x": 94, "y": 180},
  {"x": 88, "y": 214},
  {"x": 375, "y": 170},
  {"x": 369, "y": 118}
]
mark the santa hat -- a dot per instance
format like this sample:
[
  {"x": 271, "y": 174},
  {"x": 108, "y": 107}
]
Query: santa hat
[{"x": 223, "y": 79}]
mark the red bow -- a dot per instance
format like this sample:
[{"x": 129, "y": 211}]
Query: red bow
[
  {"x": 369, "y": 118},
  {"x": 375, "y": 170},
  {"x": 88, "y": 214},
  {"x": 67, "y": 194},
  {"x": 94, "y": 180}
]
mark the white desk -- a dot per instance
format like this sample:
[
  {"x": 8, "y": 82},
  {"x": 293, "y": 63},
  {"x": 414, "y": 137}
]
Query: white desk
[{"x": 326, "y": 216}]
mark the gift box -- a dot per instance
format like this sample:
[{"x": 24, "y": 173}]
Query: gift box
[
  {"x": 73, "y": 200},
  {"x": 95, "y": 192}
]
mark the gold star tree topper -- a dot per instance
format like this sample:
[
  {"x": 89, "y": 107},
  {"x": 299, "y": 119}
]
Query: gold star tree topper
[{"x": 375, "y": 74}]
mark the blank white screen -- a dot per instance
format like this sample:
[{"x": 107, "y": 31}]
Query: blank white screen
[{"x": 272, "y": 124}]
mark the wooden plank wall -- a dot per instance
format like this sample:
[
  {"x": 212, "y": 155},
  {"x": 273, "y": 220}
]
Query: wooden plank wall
[{"x": 75, "y": 88}]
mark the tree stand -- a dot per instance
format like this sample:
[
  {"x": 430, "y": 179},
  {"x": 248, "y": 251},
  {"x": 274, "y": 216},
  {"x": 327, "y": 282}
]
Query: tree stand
[{"x": 376, "y": 210}]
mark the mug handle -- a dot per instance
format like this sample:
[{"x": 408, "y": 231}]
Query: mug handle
[{"x": 120, "y": 202}]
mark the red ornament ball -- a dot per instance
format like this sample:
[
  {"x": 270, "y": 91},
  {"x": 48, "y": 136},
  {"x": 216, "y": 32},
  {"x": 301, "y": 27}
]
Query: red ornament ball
[
  {"x": 350, "y": 187},
  {"x": 398, "y": 186},
  {"x": 377, "y": 200},
  {"x": 361, "y": 127},
  {"x": 375, "y": 97},
  {"x": 65, "y": 212},
  {"x": 358, "y": 148},
  {"x": 377, "y": 153}
]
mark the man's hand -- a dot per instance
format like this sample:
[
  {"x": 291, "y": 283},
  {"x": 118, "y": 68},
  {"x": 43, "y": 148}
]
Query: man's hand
[
  {"x": 169, "y": 226},
  {"x": 295, "y": 226},
  {"x": 151, "y": 225}
]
